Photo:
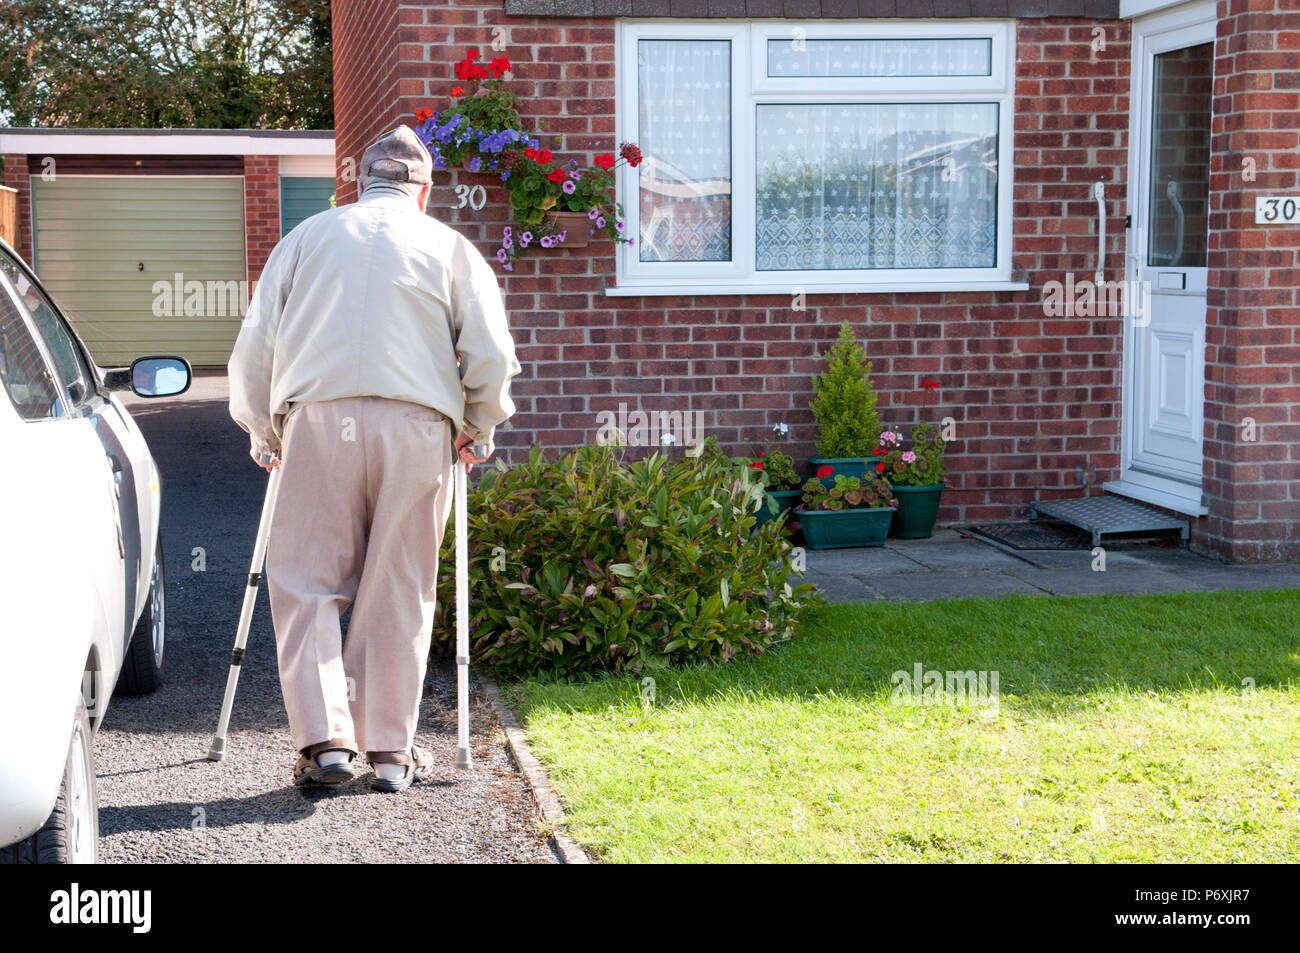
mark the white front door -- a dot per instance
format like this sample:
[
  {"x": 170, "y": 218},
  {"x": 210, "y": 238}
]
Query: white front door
[{"x": 1164, "y": 331}]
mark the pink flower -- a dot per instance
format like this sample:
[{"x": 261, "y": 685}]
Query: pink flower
[{"x": 909, "y": 456}]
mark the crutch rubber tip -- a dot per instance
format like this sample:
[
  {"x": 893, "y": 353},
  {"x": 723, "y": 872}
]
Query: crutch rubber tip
[
  {"x": 463, "y": 760},
  {"x": 218, "y": 749}
]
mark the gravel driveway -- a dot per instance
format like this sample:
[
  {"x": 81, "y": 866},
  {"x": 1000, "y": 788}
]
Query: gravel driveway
[{"x": 162, "y": 800}]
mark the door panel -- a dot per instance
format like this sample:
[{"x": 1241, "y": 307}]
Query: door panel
[{"x": 1164, "y": 386}]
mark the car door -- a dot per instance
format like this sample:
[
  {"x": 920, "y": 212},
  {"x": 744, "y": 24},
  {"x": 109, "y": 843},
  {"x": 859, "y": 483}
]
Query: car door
[
  {"x": 135, "y": 479},
  {"x": 61, "y": 576}
]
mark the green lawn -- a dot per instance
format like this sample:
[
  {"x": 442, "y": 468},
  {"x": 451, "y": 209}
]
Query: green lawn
[{"x": 1123, "y": 732}]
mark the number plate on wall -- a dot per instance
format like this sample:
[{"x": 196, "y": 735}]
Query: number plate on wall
[{"x": 1277, "y": 209}]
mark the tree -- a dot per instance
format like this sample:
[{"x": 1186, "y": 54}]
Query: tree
[{"x": 222, "y": 64}]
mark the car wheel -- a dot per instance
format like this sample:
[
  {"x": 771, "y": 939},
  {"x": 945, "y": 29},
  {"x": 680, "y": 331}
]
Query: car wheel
[
  {"x": 71, "y": 833},
  {"x": 142, "y": 669}
]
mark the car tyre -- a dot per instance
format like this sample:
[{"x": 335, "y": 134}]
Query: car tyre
[
  {"x": 142, "y": 669},
  {"x": 70, "y": 835}
]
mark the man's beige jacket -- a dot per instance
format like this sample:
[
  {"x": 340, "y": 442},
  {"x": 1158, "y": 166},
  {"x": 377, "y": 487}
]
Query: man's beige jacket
[{"x": 374, "y": 298}]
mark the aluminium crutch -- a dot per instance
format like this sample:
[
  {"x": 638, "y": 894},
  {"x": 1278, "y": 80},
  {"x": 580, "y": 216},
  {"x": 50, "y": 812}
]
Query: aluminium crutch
[
  {"x": 463, "y": 758},
  {"x": 218, "y": 749}
]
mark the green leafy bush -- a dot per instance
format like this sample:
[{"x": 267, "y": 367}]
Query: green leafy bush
[
  {"x": 922, "y": 465},
  {"x": 590, "y": 562},
  {"x": 848, "y": 493},
  {"x": 845, "y": 405}
]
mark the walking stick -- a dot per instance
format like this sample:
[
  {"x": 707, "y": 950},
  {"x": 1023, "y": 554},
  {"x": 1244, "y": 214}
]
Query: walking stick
[
  {"x": 218, "y": 749},
  {"x": 463, "y": 758}
]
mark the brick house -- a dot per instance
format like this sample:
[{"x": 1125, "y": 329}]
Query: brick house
[{"x": 951, "y": 154}]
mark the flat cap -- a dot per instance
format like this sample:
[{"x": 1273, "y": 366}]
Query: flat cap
[{"x": 403, "y": 147}]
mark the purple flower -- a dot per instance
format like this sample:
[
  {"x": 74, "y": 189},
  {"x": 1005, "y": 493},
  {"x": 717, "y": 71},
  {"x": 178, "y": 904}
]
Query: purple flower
[
  {"x": 524, "y": 239},
  {"x": 560, "y": 237},
  {"x": 569, "y": 188},
  {"x": 475, "y": 164},
  {"x": 508, "y": 266},
  {"x": 593, "y": 214},
  {"x": 505, "y": 242},
  {"x": 600, "y": 222},
  {"x": 546, "y": 241},
  {"x": 507, "y": 231},
  {"x": 619, "y": 226},
  {"x": 501, "y": 255},
  {"x": 630, "y": 242},
  {"x": 576, "y": 177}
]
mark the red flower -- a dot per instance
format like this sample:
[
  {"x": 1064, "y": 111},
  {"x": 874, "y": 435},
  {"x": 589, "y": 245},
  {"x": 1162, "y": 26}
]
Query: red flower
[
  {"x": 929, "y": 384},
  {"x": 878, "y": 451},
  {"x": 422, "y": 114},
  {"x": 631, "y": 153},
  {"x": 756, "y": 465},
  {"x": 605, "y": 161},
  {"x": 472, "y": 55},
  {"x": 880, "y": 468},
  {"x": 557, "y": 176},
  {"x": 762, "y": 453},
  {"x": 544, "y": 156},
  {"x": 824, "y": 471},
  {"x": 500, "y": 65},
  {"x": 457, "y": 91}
]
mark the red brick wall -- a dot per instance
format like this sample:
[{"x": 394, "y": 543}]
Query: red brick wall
[
  {"x": 261, "y": 210},
  {"x": 16, "y": 178},
  {"x": 369, "y": 38},
  {"x": 1253, "y": 365},
  {"x": 1034, "y": 397}
]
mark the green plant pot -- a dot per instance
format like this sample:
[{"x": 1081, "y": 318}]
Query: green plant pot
[
  {"x": 918, "y": 509},
  {"x": 843, "y": 466},
  {"x": 785, "y": 501},
  {"x": 842, "y": 529}
]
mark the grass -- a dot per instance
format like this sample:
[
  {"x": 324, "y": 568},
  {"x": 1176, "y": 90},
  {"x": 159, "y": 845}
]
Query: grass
[{"x": 1129, "y": 728}]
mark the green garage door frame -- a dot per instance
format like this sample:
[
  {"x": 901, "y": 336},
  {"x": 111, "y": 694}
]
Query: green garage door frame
[
  {"x": 301, "y": 197},
  {"x": 109, "y": 248}
]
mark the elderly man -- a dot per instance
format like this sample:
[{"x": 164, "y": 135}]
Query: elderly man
[{"x": 375, "y": 349}]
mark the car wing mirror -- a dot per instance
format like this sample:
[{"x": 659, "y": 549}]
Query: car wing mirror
[{"x": 152, "y": 377}]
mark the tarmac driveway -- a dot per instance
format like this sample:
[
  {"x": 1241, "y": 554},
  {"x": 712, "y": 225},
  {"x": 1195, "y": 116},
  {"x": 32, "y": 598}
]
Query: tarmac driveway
[{"x": 162, "y": 800}]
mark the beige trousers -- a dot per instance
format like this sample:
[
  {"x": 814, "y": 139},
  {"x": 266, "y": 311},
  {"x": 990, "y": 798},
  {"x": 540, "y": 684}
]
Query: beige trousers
[{"x": 354, "y": 468}]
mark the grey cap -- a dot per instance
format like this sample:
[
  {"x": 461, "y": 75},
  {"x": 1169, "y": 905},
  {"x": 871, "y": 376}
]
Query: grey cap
[{"x": 403, "y": 146}]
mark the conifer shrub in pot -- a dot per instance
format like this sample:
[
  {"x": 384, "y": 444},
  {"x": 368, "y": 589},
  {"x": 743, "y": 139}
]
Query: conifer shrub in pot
[{"x": 845, "y": 407}]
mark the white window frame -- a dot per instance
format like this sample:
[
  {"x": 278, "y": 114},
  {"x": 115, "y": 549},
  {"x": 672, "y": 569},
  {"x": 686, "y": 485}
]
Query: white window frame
[{"x": 750, "y": 89}]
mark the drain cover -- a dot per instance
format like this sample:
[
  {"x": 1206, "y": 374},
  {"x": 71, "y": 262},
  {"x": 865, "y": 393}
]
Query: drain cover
[{"x": 1029, "y": 536}]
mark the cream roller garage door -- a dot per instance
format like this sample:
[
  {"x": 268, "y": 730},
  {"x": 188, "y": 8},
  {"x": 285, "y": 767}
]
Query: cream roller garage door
[{"x": 109, "y": 250}]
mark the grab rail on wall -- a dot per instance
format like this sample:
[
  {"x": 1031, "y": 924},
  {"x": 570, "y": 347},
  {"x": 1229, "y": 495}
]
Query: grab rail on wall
[{"x": 1099, "y": 193}]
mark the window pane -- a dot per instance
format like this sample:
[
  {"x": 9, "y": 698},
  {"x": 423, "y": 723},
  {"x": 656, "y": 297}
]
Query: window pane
[
  {"x": 22, "y": 369},
  {"x": 904, "y": 57},
  {"x": 1180, "y": 161},
  {"x": 891, "y": 185},
  {"x": 684, "y": 89}
]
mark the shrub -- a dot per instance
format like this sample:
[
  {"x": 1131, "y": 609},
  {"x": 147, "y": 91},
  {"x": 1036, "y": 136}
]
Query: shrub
[
  {"x": 589, "y": 562},
  {"x": 845, "y": 405}
]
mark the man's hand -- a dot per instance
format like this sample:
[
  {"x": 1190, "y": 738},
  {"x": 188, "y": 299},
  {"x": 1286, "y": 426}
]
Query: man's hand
[
  {"x": 463, "y": 450},
  {"x": 275, "y": 462}
]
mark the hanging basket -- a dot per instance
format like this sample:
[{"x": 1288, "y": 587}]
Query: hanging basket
[{"x": 575, "y": 225}]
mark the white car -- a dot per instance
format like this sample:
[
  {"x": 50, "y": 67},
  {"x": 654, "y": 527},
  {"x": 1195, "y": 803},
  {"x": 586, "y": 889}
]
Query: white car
[{"x": 81, "y": 568}]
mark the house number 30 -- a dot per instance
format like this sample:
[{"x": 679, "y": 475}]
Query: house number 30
[{"x": 473, "y": 196}]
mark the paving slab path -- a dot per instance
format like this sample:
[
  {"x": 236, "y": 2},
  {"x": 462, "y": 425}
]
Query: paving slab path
[{"x": 953, "y": 564}]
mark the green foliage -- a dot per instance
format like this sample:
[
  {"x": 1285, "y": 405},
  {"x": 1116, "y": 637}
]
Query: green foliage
[
  {"x": 848, "y": 493},
  {"x": 925, "y": 468},
  {"x": 220, "y": 64},
  {"x": 590, "y": 562},
  {"x": 779, "y": 471},
  {"x": 845, "y": 405}
]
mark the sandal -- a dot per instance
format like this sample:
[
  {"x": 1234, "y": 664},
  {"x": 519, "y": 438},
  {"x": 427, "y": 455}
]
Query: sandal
[
  {"x": 418, "y": 768},
  {"x": 309, "y": 771}
]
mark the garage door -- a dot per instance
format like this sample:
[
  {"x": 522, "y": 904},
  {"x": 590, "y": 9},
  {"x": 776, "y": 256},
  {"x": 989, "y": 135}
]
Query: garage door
[{"x": 110, "y": 250}]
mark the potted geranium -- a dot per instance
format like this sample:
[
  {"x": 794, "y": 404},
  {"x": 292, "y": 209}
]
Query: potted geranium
[
  {"x": 845, "y": 408},
  {"x": 917, "y": 476},
  {"x": 481, "y": 128},
  {"x": 780, "y": 481},
  {"x": 850, "y": 511}
]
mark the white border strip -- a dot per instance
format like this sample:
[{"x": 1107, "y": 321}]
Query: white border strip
[{"x": 162, "y": 143}]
